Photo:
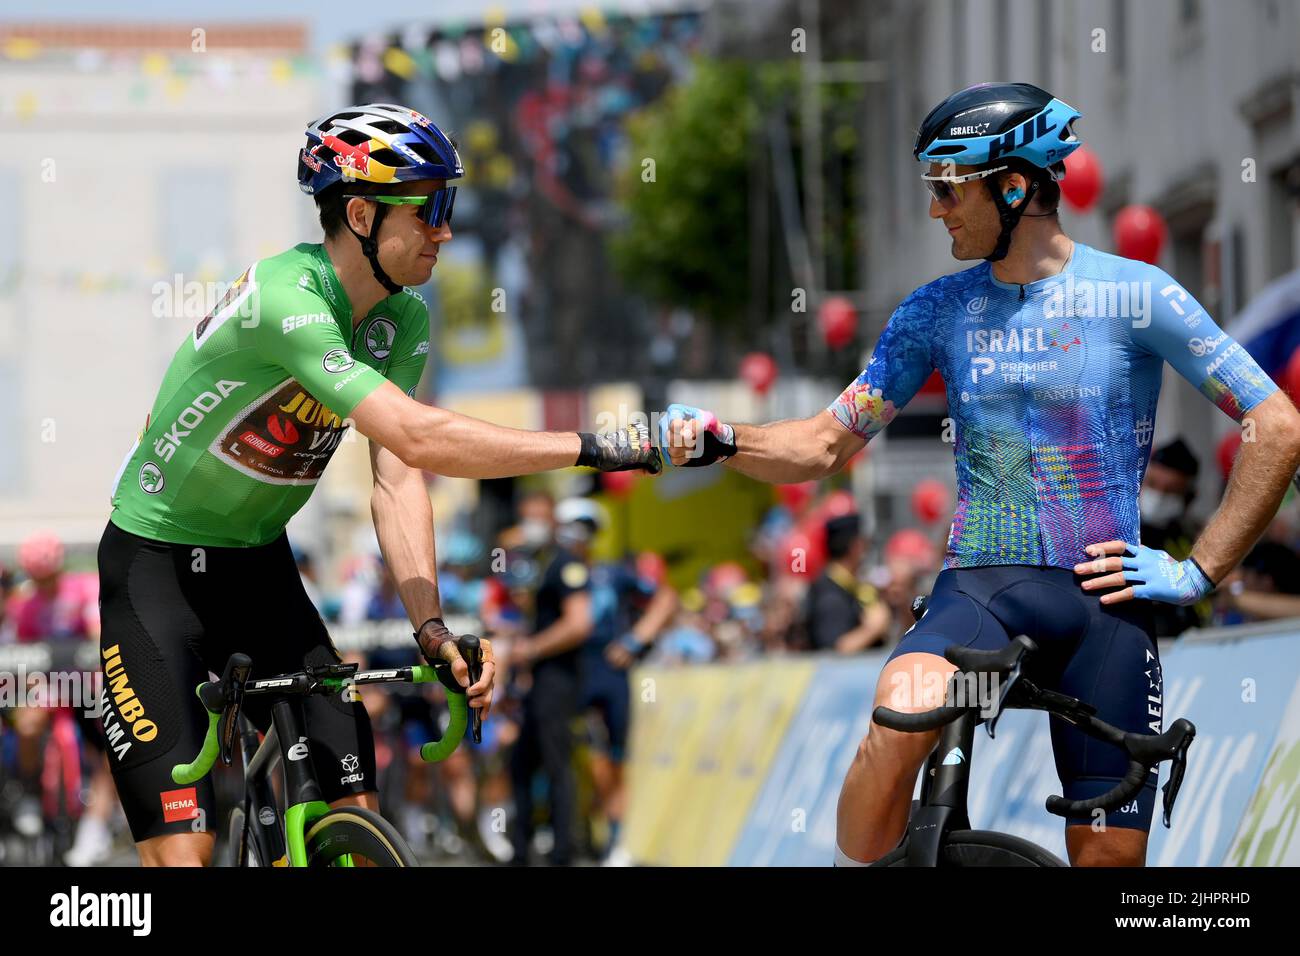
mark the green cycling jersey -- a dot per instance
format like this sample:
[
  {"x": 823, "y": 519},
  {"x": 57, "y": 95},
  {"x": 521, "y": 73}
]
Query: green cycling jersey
[{"x": 256, "y": 400}]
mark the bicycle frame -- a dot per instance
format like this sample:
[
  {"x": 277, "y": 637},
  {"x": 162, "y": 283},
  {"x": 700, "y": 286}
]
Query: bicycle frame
[
  {"x": 944, "y": 785},
  {"x": 283, "y": 845},
  {"x": 287, "y": 741}
]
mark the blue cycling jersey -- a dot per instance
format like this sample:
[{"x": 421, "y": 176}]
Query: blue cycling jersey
[{"x": 1052, "y": 387}]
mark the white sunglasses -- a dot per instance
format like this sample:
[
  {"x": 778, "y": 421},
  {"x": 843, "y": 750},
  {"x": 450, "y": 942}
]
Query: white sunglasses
[{"x": 946, "y": 188}]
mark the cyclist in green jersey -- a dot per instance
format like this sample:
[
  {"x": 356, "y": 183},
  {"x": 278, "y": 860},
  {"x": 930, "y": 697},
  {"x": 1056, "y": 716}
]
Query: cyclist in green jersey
[{"x": 194, "y": 562}]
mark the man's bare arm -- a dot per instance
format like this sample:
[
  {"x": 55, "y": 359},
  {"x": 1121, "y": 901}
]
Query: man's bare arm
[
  {"x": 872, "y": 630},
  {"x": 443, "y": 442},
  {"x": 573, "y": 627},
  {"x": 802, "y": 449},
  {"x": 1264, "y": 468},
  {"x": 403, "y": 519}
]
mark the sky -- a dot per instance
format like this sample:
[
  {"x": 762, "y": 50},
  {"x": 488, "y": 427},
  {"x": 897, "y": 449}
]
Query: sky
[{"x": 331, "y": 21}]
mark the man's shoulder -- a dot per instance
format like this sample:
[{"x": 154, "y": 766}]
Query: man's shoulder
[
  {"x": 947, "y": 290},
  {"x": 407, "y": 306},
  {"x": 292, "y": 292},
  {"x": 1090, "y": 263}
]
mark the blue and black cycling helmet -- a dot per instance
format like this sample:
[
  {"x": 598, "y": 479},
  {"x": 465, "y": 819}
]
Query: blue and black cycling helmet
[
  {"x": 379, "y": 143},
  {"x": 992, "y": 124}
]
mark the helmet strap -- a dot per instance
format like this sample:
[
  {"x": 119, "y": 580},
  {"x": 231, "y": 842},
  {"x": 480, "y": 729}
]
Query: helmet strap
[
  {"x": 370, "y": 249},
  {"x": 1008, "y": 216}
]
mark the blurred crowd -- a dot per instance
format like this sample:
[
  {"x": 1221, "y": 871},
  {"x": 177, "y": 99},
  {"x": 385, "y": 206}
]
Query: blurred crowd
[{"x": 547, "y": 781}]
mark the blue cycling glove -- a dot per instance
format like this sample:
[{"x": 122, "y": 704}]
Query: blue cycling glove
[
  {"x": 719, "y": 442},
  {"x": 1156, "y": 576}
]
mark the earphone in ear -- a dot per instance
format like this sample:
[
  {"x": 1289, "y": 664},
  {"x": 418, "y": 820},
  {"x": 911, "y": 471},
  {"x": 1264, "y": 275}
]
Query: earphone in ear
[{"x": 1013, "y": 194}]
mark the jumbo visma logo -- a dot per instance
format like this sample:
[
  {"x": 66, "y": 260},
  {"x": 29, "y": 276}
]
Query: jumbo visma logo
[{"x": 125, "y": 707}]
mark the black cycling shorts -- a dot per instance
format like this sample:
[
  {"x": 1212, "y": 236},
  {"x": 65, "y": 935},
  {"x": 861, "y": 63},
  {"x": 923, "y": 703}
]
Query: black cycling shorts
[
  {"x": 1104, "y": 655},
  {"x": 172, "y": 613}
]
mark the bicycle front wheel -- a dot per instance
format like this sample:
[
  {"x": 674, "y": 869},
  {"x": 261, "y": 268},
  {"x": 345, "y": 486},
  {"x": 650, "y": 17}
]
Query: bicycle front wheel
[
  {"x": 358, "y": 834},
  {"x": 967, "y": 848}
]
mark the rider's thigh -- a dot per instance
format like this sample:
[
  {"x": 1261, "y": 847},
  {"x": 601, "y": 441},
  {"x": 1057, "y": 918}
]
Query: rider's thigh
[
  {"x": 903, "y": 687},
  {"x": 1114, "y": 846},
  {"x": 1116, "y": 669},
  {"x": 177, "y": 849}
]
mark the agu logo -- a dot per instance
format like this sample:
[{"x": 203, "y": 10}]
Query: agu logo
[
  {"x": 179, "y": 804},
  {"x": 350, "y": 764}
]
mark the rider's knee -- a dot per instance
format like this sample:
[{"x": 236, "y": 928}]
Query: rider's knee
[
  {"x": 182, "y": 849},
  {"x": 895, "y": 747},
  {"x": 1115, "y": 846}
]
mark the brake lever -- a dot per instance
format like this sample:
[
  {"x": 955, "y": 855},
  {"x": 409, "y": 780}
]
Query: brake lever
[
  {"x": 231, "y": 691},
  {"x": 472, "y": 651},
  {"x": 1013, "y": 678},
  {"x": 1177, "y": 767}
]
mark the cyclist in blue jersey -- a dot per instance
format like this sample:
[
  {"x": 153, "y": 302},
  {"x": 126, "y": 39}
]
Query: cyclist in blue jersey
[{"x": 1051, "y": 353}]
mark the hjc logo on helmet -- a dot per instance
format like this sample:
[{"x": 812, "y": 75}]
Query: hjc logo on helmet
[{"x": 1031, "y": 129}]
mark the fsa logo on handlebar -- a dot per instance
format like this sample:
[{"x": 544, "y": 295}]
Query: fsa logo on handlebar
[{"x": 299, "y": 750}]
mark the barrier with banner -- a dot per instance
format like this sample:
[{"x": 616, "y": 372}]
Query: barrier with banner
[{"x": 742, "y": 764}]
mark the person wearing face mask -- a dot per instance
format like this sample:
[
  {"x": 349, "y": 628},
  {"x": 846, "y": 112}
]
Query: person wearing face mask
[
  {"x": 562, "y": 621},
  {"x": 1168, "y": 488},
  {"x": 536, "y": 523}
]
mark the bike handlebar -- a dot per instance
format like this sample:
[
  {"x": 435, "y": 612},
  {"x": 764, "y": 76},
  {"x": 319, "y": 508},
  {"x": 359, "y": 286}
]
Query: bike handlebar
[
  {"x": 1145, "y": 751},
  {"x": 222, "y": 699}
]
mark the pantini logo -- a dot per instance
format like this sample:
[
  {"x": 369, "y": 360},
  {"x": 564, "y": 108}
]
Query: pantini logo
[
  {"x": 337, "y": 360},
  {"x": 151, "y": 478},
  {"x": 379, "y": 338}
]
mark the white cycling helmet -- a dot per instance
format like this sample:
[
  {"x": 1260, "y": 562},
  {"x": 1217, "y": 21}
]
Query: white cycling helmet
[{"x": 571, "y": 510}]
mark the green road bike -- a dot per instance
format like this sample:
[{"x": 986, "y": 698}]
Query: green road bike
[{"x": 309, "y": 832}]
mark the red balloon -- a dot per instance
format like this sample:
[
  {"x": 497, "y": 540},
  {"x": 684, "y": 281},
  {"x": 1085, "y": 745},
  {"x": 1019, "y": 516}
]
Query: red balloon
[
  {"x": 1140, "y": 233},
  {"x": 911, "y": 545},
  {"x": 801, "y": 554},
  {"x": 933, "y": 385},
  {"x": 796, "y": 497},
  {"x": 618, "y": 483},
  {"x": 838, "y": 503},
  {"x": 1227, "y": 452},
  {"x": 838, "y": 320},
  {"x": 930, "y": 499},
  {"x": 758, "y": 369},
  {"x": 1082, "y": 183},
  {"x": 1291, "y": 377}
]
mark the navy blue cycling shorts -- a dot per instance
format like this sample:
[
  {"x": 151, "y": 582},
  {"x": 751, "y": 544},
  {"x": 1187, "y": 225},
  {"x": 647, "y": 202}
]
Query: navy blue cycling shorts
[
  {"x": 1103, "y": 655},
  {"x": 606, "y": 690}
]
